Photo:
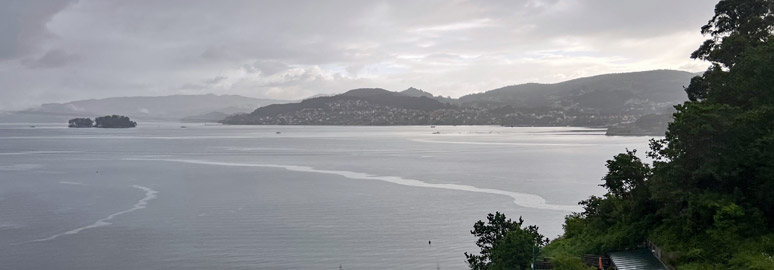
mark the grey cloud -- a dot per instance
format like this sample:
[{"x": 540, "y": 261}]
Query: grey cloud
[
  {"x": 52, "y": 59},
  {"x": 216, "y": 52},
  {"x": 294, "y": 49},
  {"x": 215, "y": 80},
  {"x": 267, "y": 67},
  {"x": 206, "y": 84},
  {"x": 23, "y": 25}
]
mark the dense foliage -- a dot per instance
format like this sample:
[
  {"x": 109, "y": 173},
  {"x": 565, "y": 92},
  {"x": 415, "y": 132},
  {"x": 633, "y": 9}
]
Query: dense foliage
[
  {"x": 114, "y": 121},
  {"x": 708, "y": 198},
  {"x": 80, "y": 122},
  {"x": 504, "y": 244}
]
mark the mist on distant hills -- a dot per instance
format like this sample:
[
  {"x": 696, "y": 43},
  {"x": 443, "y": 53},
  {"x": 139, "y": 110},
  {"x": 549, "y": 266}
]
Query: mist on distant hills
[{"x": 160, "y": 108}]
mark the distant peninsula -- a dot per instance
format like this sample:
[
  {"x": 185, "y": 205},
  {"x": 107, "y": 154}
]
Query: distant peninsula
[
  {"x": 365, "y": 106},
  {"x": 108, "y": 121},
  {"x": 617, "y": 101},
  {"x": 646, "y": 125}
]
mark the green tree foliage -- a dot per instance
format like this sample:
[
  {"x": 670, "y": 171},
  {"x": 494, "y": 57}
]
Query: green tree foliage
[
  {"x": 708, "y": 198},
  {"x": 80, "y": 122},
  {"x": 504, "y": 244},
  {"x": 114, "y": 121},
  {"x": 737, "y": 26},
  {"x": 626, "y": 173}
]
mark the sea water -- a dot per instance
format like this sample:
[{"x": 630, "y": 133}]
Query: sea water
[{"x": 282, "y": 197}]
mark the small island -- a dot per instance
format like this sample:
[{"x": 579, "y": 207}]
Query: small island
[{"x": 108, "y": 121}]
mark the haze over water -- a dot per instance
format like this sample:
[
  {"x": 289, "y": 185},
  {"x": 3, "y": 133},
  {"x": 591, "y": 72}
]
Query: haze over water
[{"x": 282, "y": 197}]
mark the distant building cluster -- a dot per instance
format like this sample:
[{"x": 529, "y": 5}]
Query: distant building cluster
[{"x": 361, "y": 112}]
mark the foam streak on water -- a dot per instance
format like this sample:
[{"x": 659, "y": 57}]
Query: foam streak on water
[
  {"x": 520, "y": 199},
  {"x": 35, "y": 152},
  {"x": 150, "y": 194},
  {"x": 71, "y": 183},
  {"x": 497, "y": 143}
]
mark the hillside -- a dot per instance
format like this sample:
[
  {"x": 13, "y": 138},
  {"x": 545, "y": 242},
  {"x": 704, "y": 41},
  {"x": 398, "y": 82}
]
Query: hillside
[
  {"x": 365, "y": 106},
  {"x": 649, "y": 124},
  {"x": 608, "y": 92},
  {"x": 600, "y": 100},
  {"x": 161, "y": 108},
  {"x": 209, "y": 117},
  {"x": 604, "y": 100},
  {"x": 414, "y": 92}
]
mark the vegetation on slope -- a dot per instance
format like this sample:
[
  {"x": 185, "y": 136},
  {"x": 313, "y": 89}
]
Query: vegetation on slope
[
  {"x": 707, "y": 198},
  {"x": 505, "y": 244}
]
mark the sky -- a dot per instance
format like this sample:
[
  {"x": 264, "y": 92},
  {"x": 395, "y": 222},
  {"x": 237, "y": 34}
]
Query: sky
[{"x": 65, "y": 50}]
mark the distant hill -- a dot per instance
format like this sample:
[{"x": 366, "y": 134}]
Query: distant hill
[
  {"x": 374, "y": 96},
  {"x": 161, "y": 108},
  {"x": 210, "y": 117},
  {"x": 608, "y": 92},
  {"x": 365, "y": 106},
  {"x": 414, "y": 92},
  {"x": 604, "y": 100},
  {"x": 609, "y": 100},
  {"x": 592, "y": 101}
]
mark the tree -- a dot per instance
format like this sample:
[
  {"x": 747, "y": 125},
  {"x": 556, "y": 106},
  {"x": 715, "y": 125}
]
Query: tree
[
  {"x": 504, "y": 244},
  {"x": 737, "y": 26},
  {"x": 626, "y": 172},
  {"x": 80, "y": 122},
  {"x": 718, "y": 139},
  {"x": 114, "y": 121},
  {"x": 707, "y": 199}
]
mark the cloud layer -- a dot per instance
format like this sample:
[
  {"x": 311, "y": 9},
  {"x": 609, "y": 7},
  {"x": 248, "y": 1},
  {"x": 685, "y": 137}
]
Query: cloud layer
[{"x": 54, "y": 51}]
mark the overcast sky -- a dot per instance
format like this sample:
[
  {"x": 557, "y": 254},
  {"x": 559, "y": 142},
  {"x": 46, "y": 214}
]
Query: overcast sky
[{"x": 57, "y": 51}]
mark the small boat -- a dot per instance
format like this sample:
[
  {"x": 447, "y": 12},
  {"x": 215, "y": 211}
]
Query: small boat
[
  {"x": 279, "y": 132},
  {"x": 183, "y": 127}
]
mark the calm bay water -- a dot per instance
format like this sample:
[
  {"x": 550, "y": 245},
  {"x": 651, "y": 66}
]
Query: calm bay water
[{"x": 282, "y": 197}]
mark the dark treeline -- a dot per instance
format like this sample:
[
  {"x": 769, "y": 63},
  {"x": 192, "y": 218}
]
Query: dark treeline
[{"x": 707, "y": 199}]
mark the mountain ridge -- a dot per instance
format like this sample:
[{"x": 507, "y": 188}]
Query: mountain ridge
[{"x": 601, "y": 100}]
